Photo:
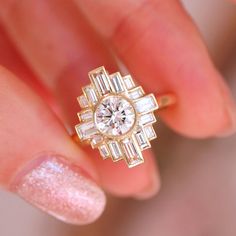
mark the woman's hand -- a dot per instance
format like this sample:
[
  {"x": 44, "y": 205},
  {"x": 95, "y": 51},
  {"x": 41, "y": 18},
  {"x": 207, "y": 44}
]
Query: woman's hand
[{"x": 58, "y": 42}]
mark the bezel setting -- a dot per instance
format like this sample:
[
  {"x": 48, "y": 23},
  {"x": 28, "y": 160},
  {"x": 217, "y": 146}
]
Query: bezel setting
[
  {"x": 123, "y": 114},
  {"x": 117, "y": 117}
]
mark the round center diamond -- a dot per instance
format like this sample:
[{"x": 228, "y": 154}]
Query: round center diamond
[{"x": 114, "y": 116}]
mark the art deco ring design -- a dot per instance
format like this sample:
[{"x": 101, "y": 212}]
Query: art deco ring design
[{"x": 117, "y": 117}]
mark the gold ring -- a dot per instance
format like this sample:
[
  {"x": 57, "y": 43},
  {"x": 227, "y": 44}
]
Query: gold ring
[{"x": 117, "y": 116}]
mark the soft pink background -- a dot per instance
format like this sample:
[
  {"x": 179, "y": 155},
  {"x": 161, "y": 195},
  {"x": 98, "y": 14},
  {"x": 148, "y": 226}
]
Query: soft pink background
[{"x": 198, "y": 195}]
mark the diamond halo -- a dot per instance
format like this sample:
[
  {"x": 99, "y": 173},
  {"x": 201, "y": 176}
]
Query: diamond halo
[{"x": 116, "y": 117}]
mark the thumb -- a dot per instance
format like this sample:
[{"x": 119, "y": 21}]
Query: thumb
[{"x": 39, "y": 162}]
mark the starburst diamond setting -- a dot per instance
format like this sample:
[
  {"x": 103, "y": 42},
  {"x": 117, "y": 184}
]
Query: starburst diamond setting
[{"x": 116, "y": 117}]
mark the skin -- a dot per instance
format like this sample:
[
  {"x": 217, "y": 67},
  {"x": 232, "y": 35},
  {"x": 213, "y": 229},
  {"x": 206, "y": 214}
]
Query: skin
[{"x": 51, "y": 51}]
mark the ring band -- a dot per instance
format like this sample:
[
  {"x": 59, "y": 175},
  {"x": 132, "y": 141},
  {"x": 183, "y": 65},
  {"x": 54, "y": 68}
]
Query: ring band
[{"x": 117, "y": 116}]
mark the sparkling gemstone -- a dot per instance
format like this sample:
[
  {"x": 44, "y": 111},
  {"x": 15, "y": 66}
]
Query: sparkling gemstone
[
  {"x": 83, "y": 102},
  {"x": 91, "y": 94},
  {"x": 147, "y": 119},
  {"x": 114, "y": 116},
  {"x": 117, "y": 83},
  {"x": 150, "y": 132},
  {"x": 85, "y": 115},
  {"x": 96, "y": 140},
  {"x": 104, "y": 151},
  {"x": 142, "y": 140},
  {"x": 129, "y": 83},
  {"x": 115, "y": 150},
  {"x": 132, "y": 152},
  {"x": 146, "y": 104},
  {"x": 100, "y": 79},
  {"x": 135, "y": 93},
  {"x": 85, "y": 130}
]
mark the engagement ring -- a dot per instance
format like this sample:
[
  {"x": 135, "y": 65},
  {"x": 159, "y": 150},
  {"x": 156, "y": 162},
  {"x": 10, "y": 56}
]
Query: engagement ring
[{"x": 117, "y": 116}]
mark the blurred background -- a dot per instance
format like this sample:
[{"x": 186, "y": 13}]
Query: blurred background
[{"x": 198, "y": 194}]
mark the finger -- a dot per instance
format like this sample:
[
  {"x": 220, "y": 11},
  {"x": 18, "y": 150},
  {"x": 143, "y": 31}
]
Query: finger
[
  {"x": 160, "y": 45},
  {"x": 12, "y": 60},
  {"x": 39, "y": 162},
  {"x": 59, "y": 48},
  {"x": 141, "y": 182}
]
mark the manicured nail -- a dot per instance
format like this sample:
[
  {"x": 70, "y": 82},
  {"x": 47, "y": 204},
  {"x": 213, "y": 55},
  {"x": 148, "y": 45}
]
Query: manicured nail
[{"x": 60, "y": 189}]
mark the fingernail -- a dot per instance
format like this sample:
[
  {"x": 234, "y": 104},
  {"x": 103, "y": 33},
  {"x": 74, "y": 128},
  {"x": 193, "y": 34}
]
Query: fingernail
[{"x": 62, "y": 190}]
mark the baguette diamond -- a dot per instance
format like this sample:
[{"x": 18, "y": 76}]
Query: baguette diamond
[
  {"x": 85, "y": 115},
  {"x": 100, "y": 80},
  {"x": 104, "y": 151},
  {"x": 91, "y": 95},
  {"x": 147, "y": 119},
  {"x": 115, "y": 150},
  {"x": 96, "y": 140},
  {"x": 129, "y": 83},
  {"x": 132, "y": 152},
  {"x": 117, "y": 83},
  {"x": 142, "y": 140},
  {"x": 83, "y": 102},
  {"x": 146, "y": 104},
  {"x": 150, "y": 132},
  {"x": 86, "y": 130},
  {"x": 135, "y": 93}
]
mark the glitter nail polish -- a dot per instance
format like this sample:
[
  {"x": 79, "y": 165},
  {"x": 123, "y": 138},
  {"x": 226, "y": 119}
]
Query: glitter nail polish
[{"x": 61, "y": 190}]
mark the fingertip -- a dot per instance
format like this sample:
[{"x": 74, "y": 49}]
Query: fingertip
[
  {"x": 210, "y": 113},
  {"x": 151, "y": 190},
  {"x": 118, "y": 179},
  {"x": 61, "y": 189}
]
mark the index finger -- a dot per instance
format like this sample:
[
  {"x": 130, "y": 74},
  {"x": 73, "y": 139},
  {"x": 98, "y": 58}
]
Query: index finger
[{"x": 162, "y": 48}]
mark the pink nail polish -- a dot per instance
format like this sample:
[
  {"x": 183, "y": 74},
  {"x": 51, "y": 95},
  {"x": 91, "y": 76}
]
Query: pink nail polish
[{"x": 61, "y": 190}]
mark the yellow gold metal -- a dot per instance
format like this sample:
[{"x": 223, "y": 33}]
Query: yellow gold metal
[
  {"x": 165, "y": 100},
  {"x": 75, "y": 138},
  {"x": 124, "y": 127}
]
